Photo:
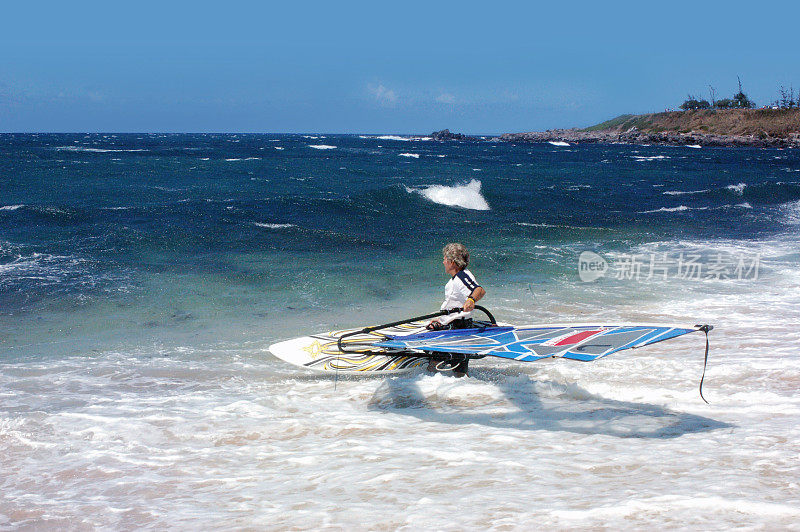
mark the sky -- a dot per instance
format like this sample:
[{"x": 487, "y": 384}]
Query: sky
[{"x": 379, "y": 67}]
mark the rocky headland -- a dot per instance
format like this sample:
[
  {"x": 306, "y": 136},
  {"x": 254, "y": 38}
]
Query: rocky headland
[{"x": 762, "y": 128}]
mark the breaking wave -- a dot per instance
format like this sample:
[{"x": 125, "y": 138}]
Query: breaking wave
[
  {"x": 791, "y": 213},
  {"x": 642, "y": 158},
  {"x": 465, "y": 196},
  {"x": 670, "y": 209},
  {"x": 683, "y": 193},
  {"x": 273, "y": 226},
  {"x": 738, "y": 189},
  {"x": 94, "y": 150}
]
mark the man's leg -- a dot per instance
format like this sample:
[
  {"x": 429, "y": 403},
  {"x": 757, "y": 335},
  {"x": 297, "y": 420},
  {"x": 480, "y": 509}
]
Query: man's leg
[{"x": 462, "y": 368}]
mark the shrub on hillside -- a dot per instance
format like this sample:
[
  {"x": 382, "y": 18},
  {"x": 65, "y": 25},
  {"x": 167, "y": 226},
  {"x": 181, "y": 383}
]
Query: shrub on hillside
[{"x": 693, "y": 103}]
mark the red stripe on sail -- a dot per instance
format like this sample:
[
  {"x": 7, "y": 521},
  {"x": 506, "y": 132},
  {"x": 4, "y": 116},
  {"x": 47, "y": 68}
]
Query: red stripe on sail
[{"x": 577, "y": 337}]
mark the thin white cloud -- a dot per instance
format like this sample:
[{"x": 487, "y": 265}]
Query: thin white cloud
[
  {"x": 447, "y": 98},
  {"x": 78, "y": 94},
  {"x": 96, "y": 96},
  {"x": 382, "y": 95}
]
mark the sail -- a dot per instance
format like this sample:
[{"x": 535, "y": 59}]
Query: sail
[{"x": 582, "y": 342}]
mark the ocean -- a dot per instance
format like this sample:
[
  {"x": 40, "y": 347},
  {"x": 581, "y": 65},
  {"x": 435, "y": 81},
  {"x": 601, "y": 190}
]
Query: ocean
[{"x": 143, "y": 277}]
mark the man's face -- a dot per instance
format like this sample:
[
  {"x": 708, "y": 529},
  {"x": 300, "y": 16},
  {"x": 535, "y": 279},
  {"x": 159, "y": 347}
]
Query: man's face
[{"x": 449, "y": 266}]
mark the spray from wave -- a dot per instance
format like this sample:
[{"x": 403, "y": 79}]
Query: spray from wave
[
  {"x": 273, "y": 226},
  {"x": 673, "y": 209},
  {"x": 737, "y": 189},
  {"x": 791, "y": 213},
  {"x": 465, "y": 196}
]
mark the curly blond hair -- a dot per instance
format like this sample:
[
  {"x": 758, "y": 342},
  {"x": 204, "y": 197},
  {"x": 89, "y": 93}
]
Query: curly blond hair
[{"x": 457, "y": 254}]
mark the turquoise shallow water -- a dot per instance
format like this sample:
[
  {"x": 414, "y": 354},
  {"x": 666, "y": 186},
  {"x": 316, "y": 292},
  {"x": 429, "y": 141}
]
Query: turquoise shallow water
[{"x": 142, "y": 278}]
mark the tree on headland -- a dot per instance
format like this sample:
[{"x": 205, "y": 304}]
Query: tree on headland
[
  {"x": 725, "y": 103},
  {"x": 786, "y": 99},
  {"x": 740, "y": 99},
  {"x": 692, "y": 103}
]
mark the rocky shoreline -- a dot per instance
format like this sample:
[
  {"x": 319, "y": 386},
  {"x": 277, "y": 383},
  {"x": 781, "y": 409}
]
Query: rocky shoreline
[{"x": 634, "y": 136}]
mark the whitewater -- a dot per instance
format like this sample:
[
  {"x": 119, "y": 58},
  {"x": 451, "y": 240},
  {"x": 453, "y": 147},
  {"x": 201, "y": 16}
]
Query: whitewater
[{"x": 140, "y": 289}]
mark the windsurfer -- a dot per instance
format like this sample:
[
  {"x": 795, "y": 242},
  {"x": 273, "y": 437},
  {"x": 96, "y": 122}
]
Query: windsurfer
[{"x": 462, "y": 291}]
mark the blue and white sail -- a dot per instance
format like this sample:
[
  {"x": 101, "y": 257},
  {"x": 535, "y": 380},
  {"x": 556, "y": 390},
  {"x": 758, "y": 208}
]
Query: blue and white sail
[{"x": 584, "y": 342}]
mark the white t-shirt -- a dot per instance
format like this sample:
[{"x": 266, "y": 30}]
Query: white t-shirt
[{"x": 456, "y": 292}]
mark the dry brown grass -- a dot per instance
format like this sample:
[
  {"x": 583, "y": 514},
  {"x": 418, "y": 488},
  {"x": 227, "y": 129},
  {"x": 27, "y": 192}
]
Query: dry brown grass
[{"x": 779, "y": 123}]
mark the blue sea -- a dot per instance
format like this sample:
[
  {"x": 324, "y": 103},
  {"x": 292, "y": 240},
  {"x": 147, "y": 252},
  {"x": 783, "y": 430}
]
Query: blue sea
[{"x": 143, "y": 277}]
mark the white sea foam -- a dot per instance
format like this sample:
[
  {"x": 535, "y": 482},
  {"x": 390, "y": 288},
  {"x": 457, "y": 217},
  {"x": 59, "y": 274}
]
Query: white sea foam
[
  {"x": 273, "y": 226},
  {"x": 45, "y": 269},
  {"x": 558, "y": 143},
  {"x": 738, "y": 189},
  {"x": 466, "y": 196},
  {"x": 142, "y": 437},
  {"x": 695, "y": 146},
  {"x": 11, "y": 207},
  {"x": 560, "y": 226},
  {"x": 279, "y": 147},
  {"x": 668, "y": 209},
  {"x": 394, "y": 137},
  {"x": 95, "y": 150},
  {"x": 391, "y": 137},
  {"x": 322, "y": 146},
  {"x": 414, "y": 155},
  {"x": 682, "y": 192},
  {"x": 642, "y": 158},
  {"x": 791, "y": 212}
]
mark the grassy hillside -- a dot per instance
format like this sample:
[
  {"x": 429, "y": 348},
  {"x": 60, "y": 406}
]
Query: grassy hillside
[{"x": 780, "y": 123}]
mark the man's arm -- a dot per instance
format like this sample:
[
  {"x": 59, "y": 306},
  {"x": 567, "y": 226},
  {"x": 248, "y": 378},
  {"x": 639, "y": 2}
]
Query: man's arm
[{"x": 473, "y": 298}]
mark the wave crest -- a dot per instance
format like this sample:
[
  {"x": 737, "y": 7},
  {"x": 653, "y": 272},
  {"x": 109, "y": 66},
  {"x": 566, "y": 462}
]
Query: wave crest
[
  {"x": 273, "y": 226},
  {"x": 466, "y": 196},
  {"x": 737, "y": 189}
]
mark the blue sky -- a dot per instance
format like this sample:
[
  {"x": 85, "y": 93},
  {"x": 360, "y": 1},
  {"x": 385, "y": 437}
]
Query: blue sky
[{"x": 379, "y": 67}]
